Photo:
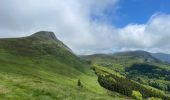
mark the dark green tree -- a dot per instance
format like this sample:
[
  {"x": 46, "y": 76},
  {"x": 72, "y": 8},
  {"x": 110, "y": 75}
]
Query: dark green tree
[{"x": 79, "y": 83}]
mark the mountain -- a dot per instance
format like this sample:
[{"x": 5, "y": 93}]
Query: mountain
[
  {"x": 139, "y": 66},
  {"x": 162, "y": 56},
  {"x": 137, "y": 55},
  {"x": 38, "y": 43},
  {"x": 41, "y": 67},
  {"x": 133, "y": 53},
  {"x": 45, "y": 34}
]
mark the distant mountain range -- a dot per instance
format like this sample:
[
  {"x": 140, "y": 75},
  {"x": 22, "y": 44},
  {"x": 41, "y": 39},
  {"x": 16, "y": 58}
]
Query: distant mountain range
[
  {"x": 139, "y": 54},
  {"x": 162, "y": 56},
  {"x": 154, "y": 56}
]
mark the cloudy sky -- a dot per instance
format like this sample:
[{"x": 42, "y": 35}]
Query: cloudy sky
[{"x": 92, "y": 26}]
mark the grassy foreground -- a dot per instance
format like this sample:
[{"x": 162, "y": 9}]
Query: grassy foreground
[
  {"x": 25, "y": 79},
  {"x": 43, "y": 68}
]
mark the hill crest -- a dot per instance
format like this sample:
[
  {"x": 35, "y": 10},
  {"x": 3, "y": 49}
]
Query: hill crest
[
  {"x": 43, "y": 42},
  {"x": 45, "y": 34},
  {"x": 147, "y": 56}
]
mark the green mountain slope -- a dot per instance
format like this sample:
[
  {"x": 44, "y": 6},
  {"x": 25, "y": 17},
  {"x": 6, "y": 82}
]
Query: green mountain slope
[
  {"x": 40, "y": 67},
  {"x": 162, "y": 56},
  {"x": 139, "y": 66},
  {"x": 138, "y": 54}
]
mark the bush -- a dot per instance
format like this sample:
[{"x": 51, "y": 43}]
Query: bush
[
  {"x": 153, "y": 98},
  {"x": 137, "y": 95},
  {"x": 79, "y": 83}
]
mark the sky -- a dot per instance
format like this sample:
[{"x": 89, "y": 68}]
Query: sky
[{"x": 92, "y": 26}]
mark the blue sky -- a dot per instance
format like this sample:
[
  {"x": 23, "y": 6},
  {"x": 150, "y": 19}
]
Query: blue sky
[
  {"x": 92, "y": 26},
  {"x": 139, "y": 11}
]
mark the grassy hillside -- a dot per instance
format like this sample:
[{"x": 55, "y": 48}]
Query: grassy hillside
[
  {"x": 40, "y": 67},
  {"x": 139, "y": 66},
  {"x": 116, "y": 82},
  {"x": 162, "y": 56}
]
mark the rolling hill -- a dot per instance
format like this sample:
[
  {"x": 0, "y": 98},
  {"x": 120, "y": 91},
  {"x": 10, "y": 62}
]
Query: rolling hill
[
  {"x": 139, "y": 66},
  {"x": 162, "y": 56},
  {"x": 41, "y": 67}
]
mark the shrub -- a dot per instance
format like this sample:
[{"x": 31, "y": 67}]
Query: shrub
[
  {"x": 79, "y": 83},
  {"x": 153, "y": 98},
  {"x": 137, "y": 95}
]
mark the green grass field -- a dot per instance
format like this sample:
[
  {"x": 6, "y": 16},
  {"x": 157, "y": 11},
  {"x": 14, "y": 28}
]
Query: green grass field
[
  {"x": 23, "y": 78},
  {"x": 138, "y": 66},
  {"x": 40, "y": 68}
]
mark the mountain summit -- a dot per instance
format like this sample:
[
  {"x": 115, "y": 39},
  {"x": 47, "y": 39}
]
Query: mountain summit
[
  {"x": 39, "y": 43},
  {"x": 45, "y": 34}
]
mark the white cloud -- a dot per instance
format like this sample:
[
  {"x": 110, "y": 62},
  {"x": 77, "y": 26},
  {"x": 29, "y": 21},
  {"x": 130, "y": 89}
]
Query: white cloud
[
  {"x": 72, "y": 22},
  {"x": 153, "y": 36},
  {"x": 69, "y": 19}
]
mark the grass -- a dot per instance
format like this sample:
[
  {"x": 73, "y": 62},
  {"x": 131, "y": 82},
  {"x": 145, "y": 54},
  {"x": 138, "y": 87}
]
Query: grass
[
  {"x": 152, "y": 73},
  {"x": 35, "y": 68},
  {"x": 116, "y": 82},
  {"x": 24, "y": 79}
]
